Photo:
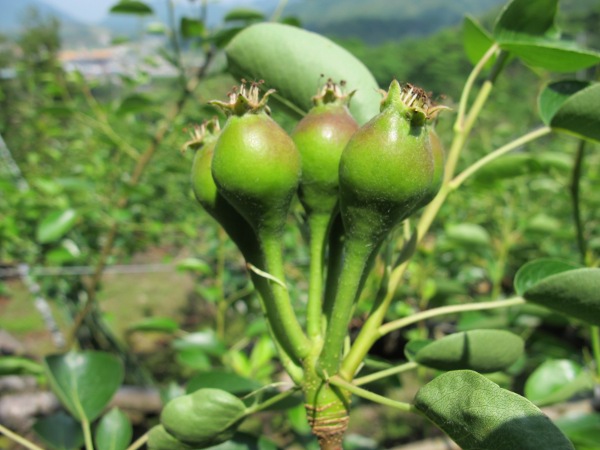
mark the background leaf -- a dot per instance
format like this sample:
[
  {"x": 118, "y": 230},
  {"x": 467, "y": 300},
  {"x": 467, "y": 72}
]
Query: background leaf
[
  {"x": 574, "y": 292},
  {"x": 526, "y": 17},
  {"x": 285, "y": 57},
  {"x": 55, "y": 225},
  {"x": 557, "y": 56},
  {"x": 555, "y": 94},
  {"x": 556, "y": 381},
  {"x": 476, "y": 41},
  {"x": 244, "y": 15},
  {"x": 580, "y": 114},
  {"x": 533, "y": 272},
  {"x": 84, "y": 381},
  {"x": 132, "y": 7},
  {"x": 114, "y": 431},
  {"x": 158, "y": 324},
  {"x": 485, "y": 351},
  {"x": 191, "y": 27},
  {"x": 227, "y": 381},
  {"x": 59, "y": 431},
  {"x": 477, "y": 414}
]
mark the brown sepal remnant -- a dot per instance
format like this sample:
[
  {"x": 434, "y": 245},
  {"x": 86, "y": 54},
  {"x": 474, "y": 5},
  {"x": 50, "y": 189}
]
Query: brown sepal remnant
[
  {"x": 201, "y": 134},
  {"x": 245, "y": 100},
  {"x": 332, "y": 92}
]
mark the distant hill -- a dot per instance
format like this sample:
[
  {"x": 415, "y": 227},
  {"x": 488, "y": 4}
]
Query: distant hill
[{"x": 377, "y": 21}]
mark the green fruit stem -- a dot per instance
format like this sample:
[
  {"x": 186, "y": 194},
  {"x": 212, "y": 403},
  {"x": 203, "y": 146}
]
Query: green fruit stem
[
  {"x": 278, "y": 305},
  {"x": 334, "y": 265},
  {"x": 318, "y": 225},
  {"x": 356, "y": 258}
]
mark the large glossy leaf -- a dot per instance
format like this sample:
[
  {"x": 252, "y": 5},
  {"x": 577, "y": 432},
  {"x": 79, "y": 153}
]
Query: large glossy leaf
[
  {"x": 556, "y": 381},
  {"x": 114, "y": 431},
  {"x": 219, "y": 379},
  {"x": 203, "y": 418},
  {"x": 478, "y": 414},
  {"x": 574, "y": 292},
  {"x": 55, "y": 225},
  {"x": 135, "y": 7},
  {"x": 476, "y": 41},
  {"x": 555, "y": 95},
  {"x": 84, "y": 381},
  {"x": 526, "y": 17},
  {"x": 59, "y": 431},
  {"x": 485, "y": 351},
  {"x": 533, "y": 272},
  {"x": 557, "y": 56},
  {"x": 579, "y": 114},
  {"x": 296, "y": 62}
]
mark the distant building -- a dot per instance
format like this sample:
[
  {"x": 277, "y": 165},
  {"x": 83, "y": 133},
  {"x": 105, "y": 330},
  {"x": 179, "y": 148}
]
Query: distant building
[{"x": 111, "y": 62}]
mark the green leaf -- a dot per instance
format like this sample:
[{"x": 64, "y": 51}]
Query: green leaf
[
  {"x": 582, "y": 429},
  {"x": 413, "y": 346},
  {"x": 526, "y": 17},
  {"x": 478, "y": 414},
  {"x": 17, "y": 365},
  {"x": 555, "y": 381},
  {"x": 574, "y": 292},
  {"x": 156, "y": 28},
  {"x": 203, "y": 418},
  {"x": 557, "y": 56},
  {"x": 161, "y": 439},
  {"x": 59, "y": 431},
  {"x": 243, "y": 14},
  {"x": 580, "y": 114},
  {"x": 296, "y": 62},
  {"x": 485, "y": 351},
  {"x": 192, "y": 27},
  {"x": 244, "y": 441},
  {"x": 131, "y": 7},
  {"x": 227, "y": 381},
  {"x": 114, "y": 431},
  {"x": 555, "y": 95},
  {"x": 55, "y": 225},
  {"x": 194, "y": 265},
  {"x": 206, "y": 341},
  {"x": 476, "y": 41},
  {"x": 134, "y": 104},
  {"x": 468, "y": 235},
  {"x": 84, "y": 382},
  {"x": 533, "y": 272},
  {"x": 155, "y": 324},
  {"x": 520, "y": 164}
]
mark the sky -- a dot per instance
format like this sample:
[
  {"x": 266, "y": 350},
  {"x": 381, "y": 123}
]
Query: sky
[{"x": 95, "y": 10}]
